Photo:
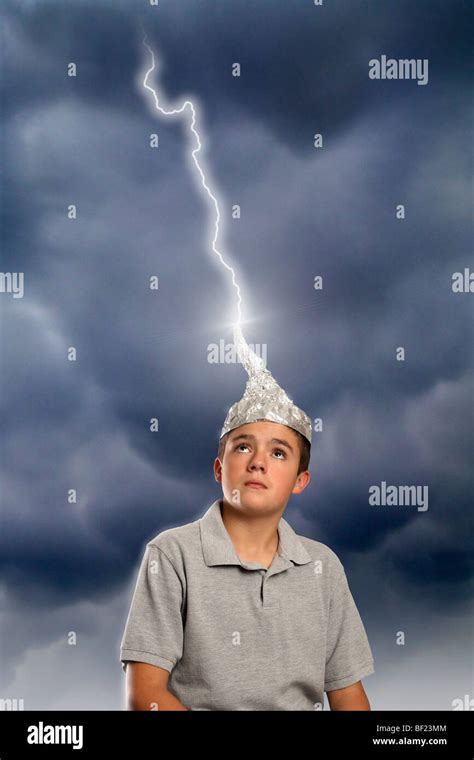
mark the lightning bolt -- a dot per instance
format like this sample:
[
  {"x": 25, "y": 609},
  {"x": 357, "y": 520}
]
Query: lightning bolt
[{"x": 250, "y": 360}]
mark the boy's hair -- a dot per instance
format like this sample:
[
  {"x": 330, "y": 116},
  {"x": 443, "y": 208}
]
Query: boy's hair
[{"x": 304, "y": 445}]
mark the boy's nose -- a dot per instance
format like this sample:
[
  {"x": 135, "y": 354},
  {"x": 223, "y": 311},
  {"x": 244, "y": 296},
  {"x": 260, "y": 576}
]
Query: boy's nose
[{"x": 257, "y": 465}]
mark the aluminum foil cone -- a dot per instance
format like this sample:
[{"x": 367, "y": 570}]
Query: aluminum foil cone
[{"x": 263, "y": 398}]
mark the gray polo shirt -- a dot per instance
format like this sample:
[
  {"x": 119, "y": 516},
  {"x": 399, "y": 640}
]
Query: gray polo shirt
[{"x": 236, "y": 636}]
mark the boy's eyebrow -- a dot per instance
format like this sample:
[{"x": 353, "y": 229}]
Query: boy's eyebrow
[{"x": 247, "y": 436}]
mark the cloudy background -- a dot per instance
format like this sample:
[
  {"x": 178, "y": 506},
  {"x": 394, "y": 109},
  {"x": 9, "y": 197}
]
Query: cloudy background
[{"x": 143, "y": 353}]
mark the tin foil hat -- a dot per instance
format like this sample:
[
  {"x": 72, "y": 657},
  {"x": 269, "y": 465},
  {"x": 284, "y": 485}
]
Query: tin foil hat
[{"x": 263, "y": 398}]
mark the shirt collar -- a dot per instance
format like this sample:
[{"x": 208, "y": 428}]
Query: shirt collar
[{"x": 218, "y": 548}]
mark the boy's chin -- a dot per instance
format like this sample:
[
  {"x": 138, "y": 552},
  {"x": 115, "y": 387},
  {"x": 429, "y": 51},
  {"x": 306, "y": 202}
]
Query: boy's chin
[{"x": 250, "y": 498}]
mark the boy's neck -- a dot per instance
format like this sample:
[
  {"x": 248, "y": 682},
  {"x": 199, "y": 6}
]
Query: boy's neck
[{"x": 255, "y": 539}]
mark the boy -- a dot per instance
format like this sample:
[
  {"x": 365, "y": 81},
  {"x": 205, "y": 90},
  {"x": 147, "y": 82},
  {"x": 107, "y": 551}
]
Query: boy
[{"x": 235, "y": 611}]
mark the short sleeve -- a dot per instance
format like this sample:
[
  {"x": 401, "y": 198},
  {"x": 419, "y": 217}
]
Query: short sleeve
[
  {"x": 154, "y": 627},
  {"x": 348, "y": 653}
]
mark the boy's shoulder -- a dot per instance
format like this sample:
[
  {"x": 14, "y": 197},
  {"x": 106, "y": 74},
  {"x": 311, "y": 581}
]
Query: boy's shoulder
[
  {"x": 319, "y": 551},
  {"x": 172, "y": 541}
]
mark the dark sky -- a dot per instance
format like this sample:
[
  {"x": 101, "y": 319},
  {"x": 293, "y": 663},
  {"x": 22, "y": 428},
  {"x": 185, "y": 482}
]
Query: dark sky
[{"x": 331, "y": 211}]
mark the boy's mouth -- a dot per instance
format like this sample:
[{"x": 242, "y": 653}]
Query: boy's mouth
[{"x": 255, "y": 484}]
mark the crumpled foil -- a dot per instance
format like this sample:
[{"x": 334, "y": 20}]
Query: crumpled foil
[{"x": 263, "y": 398}]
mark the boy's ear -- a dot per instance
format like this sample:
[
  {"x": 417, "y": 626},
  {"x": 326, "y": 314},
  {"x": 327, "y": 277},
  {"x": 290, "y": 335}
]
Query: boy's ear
[
  {"x": 302, "y": 481},
  {"x": 217, "y": 469}
]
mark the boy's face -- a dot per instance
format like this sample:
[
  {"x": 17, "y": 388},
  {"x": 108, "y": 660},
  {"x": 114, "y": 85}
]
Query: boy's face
[{"x": 265, "y": 452}]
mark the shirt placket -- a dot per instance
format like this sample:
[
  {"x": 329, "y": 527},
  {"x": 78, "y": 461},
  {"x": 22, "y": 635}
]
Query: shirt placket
[{"x": 268, "y": 596}]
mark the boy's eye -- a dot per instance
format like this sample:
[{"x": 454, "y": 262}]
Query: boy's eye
[{"x": 239, "y": 445}]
